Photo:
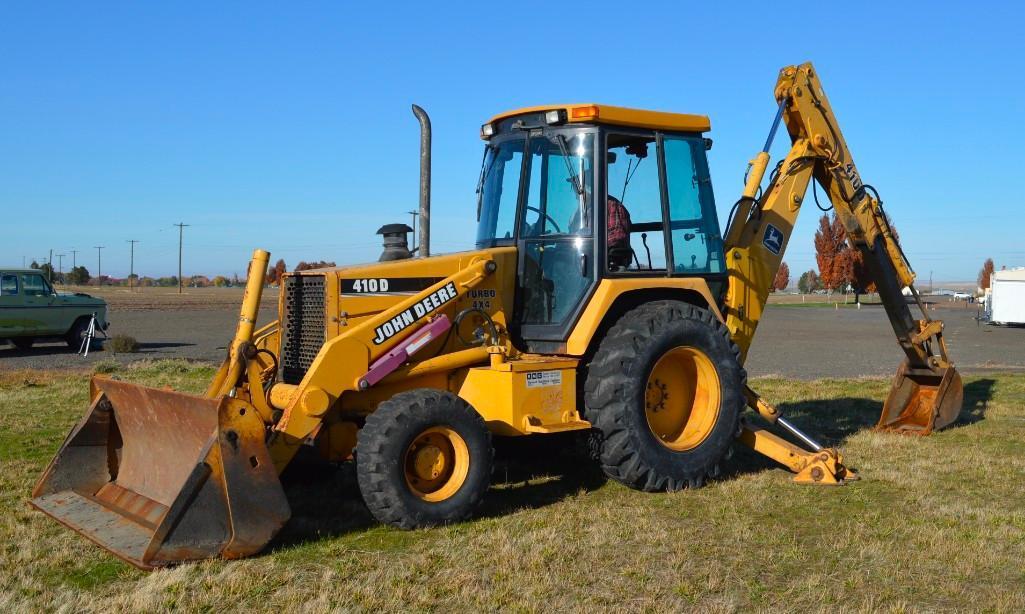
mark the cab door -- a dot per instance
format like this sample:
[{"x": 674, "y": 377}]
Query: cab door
[
  {"x": 41, "y": 314},
  {"x": 556, "y": 270},
  {"x": 13, "y": 316}
]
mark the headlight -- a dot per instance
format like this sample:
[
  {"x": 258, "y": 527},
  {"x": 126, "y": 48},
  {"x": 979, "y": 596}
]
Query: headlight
[
  {"x": 487, "y": 131},
  {"x": 555, "y": 117}
]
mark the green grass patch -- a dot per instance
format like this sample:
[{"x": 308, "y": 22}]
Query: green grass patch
[{"x": 936, "y": 523}]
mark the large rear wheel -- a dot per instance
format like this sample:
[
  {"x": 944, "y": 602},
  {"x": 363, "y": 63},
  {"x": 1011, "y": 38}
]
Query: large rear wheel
[
  {"x": 665, "y": 389},
  {"x": 423, "y": 458}
]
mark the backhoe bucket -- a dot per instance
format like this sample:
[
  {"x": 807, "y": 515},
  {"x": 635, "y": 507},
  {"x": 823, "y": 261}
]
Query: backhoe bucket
[
  {"x": 922, "y": 401},
  {"x": 158, "y": 477}
]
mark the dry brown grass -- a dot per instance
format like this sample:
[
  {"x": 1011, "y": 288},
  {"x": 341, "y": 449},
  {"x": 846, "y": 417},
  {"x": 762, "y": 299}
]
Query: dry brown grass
[
  {"x": 936, "y": 524},
  {"x": 147, "y": 299}
]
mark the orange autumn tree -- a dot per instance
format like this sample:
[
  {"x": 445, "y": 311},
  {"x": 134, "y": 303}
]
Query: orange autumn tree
[
  {"x": 985, "y": 273},
  {"x": 830, "y": 245},
  {"x": 782, "y": 279},
  {"x": 274, "y": 273},
  {"x": 839, "y": 263}
]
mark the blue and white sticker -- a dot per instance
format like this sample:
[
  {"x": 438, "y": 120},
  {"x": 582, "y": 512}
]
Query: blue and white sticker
[{"x": 773, "y": 239}]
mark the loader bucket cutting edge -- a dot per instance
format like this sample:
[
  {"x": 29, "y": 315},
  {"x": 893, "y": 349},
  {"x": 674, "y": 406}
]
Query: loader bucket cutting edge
[
  {"x": 158, "y": 477},
  {"x": 922, "y": 401}
]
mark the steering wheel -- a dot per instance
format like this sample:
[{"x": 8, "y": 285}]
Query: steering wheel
[{"x": 547, "y": 217}]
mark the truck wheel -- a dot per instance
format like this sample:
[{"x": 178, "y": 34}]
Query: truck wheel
[
  {"x": 23, "y": 343},
  {"x": 665, "y": 389},
  {"x": 78, "y": 330},
  {"x": 423, "y": 458}
]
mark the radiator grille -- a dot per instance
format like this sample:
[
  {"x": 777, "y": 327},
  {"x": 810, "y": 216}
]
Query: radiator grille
[{"x": 303, "y": 327}]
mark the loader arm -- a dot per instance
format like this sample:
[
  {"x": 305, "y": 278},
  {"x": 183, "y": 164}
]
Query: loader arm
[
  {"x": 927, "y": 391},
  {"x": 344, "y": 361}
]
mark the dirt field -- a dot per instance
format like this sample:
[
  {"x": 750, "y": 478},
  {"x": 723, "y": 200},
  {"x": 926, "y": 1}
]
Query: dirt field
[{"x": 806, "y": 340}]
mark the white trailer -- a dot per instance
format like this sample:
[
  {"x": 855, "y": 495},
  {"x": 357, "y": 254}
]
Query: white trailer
[{"x": 1007, "y": 297}]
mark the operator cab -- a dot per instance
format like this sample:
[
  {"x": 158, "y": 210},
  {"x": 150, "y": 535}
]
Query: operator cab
[{"x": 654, "y": 215}]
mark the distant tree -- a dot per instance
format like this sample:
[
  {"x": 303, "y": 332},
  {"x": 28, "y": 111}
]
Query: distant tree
[
  {"x": 808, "y": 282},
  {"x": 78, "y": 276},
  {"x": 220, "y": 281},
  {"x": 34, "y": 265},
  {"x": 782, "y": 279},
  {"x": 199, "y": 281},
  {"x": 167, "y": 282},
  {"x": 320, "y": 264},
  {"x": 275, "y": 273},
  {"x": 985, "y": 273}
]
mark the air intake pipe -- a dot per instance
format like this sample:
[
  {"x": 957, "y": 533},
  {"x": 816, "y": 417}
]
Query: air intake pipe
[{"x": 425, "y": 181}]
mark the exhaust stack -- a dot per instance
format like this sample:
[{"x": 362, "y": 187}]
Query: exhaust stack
[{"x": 425, "y": 180}]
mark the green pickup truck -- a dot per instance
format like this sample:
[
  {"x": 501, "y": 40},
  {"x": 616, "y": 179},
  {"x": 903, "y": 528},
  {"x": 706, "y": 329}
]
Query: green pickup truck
[{"x": 31, "y": 309}]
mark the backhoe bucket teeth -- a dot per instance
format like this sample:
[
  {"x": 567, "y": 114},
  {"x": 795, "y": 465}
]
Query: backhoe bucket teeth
[
  {"x": 158, "y": 477},
  {"x": 922, "y": 401}
]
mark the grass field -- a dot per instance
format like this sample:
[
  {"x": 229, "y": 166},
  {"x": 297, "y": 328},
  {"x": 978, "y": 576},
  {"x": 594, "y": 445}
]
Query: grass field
[{"x": 935, "y": 524}]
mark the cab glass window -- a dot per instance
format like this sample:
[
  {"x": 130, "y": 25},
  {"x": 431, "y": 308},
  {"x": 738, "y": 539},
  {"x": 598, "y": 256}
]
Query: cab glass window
[
  {"x": 696, "y": 239},
  {"x": 633, "y": 209},
  {"x": 498, "y": 190},
  {"x": 560, "y": 172},
  {"x": 34, "y": 285},
  {"x": 8, "y": 284}
]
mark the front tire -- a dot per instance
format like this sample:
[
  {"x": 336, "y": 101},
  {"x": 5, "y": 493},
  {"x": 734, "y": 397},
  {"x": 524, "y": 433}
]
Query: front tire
[
  {"x": 78, "y": 332},
  {"x": 666, "y": 391},
  {"x": 423, "y": 459}
]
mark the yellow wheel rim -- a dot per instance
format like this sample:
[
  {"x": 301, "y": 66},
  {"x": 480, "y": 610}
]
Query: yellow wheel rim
[
  {"x": 681, "y": 398},
  {"x": 436, "y": 464}
]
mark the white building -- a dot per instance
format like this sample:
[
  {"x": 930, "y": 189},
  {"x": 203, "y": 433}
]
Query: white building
[{"x": 1005, "y": 298}]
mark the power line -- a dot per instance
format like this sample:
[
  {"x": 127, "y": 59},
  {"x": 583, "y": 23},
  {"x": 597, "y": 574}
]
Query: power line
[
  {"x": 180, "y": 226},
  {"x": 99, "y": 264},
  {"x": 131, "y": 263}
]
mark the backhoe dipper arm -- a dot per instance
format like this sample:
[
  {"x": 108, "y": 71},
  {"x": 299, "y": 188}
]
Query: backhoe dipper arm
[{"x": 762, "y": 224}]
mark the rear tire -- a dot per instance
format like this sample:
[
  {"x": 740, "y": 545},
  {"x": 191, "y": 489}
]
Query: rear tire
[
  {"x": 665, "y": 389},
  {"x": 423, "y": 459},
  {"x": 23, "y": 343}
]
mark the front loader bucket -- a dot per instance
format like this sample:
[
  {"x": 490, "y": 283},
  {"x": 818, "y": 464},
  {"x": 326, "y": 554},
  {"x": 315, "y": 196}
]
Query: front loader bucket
[
  {"x": 157, "y": 477},
  {"x": 922, "y": 401}
]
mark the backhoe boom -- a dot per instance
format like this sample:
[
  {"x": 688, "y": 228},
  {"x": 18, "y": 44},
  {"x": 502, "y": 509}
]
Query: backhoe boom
[{"x": 927, "y": 392}]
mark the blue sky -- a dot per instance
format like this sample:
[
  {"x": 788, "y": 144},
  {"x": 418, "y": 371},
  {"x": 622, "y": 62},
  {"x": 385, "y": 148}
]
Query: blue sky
[{"x": 288, "y": 127}]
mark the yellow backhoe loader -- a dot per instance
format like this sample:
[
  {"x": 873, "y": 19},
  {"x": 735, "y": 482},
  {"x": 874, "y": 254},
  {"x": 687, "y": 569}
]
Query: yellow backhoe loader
[{"x": 602, "y": 298}]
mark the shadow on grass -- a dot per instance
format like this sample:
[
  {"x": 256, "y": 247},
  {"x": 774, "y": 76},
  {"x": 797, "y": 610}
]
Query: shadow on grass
[
  {"x": 529, "y": 473},
  {"x": 832, "y": 421},
  {"x": 977, "y": 394},
  {"x": 534, "y": 472}
]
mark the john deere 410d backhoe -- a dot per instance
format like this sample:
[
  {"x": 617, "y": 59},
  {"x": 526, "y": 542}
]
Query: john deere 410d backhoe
[{"x": 601, "y": 298}]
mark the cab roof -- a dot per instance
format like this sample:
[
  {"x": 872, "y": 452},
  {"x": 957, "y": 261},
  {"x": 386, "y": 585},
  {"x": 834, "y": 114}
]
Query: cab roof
[{"x": 619, "y": 116}]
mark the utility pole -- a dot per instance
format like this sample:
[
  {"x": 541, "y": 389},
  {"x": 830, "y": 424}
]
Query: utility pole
[
  {"x": 131, "y": 265},
  {"x": 49, "y": 271},
  {"x": 415, "y": 214},
  {"x": 930, "y": 282},
  {"x": 99, "y": 265},
  {"x": 180, "y": 226},
  {"x": 74, "y": 258},
  {"x": 60, "y": 268}
]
